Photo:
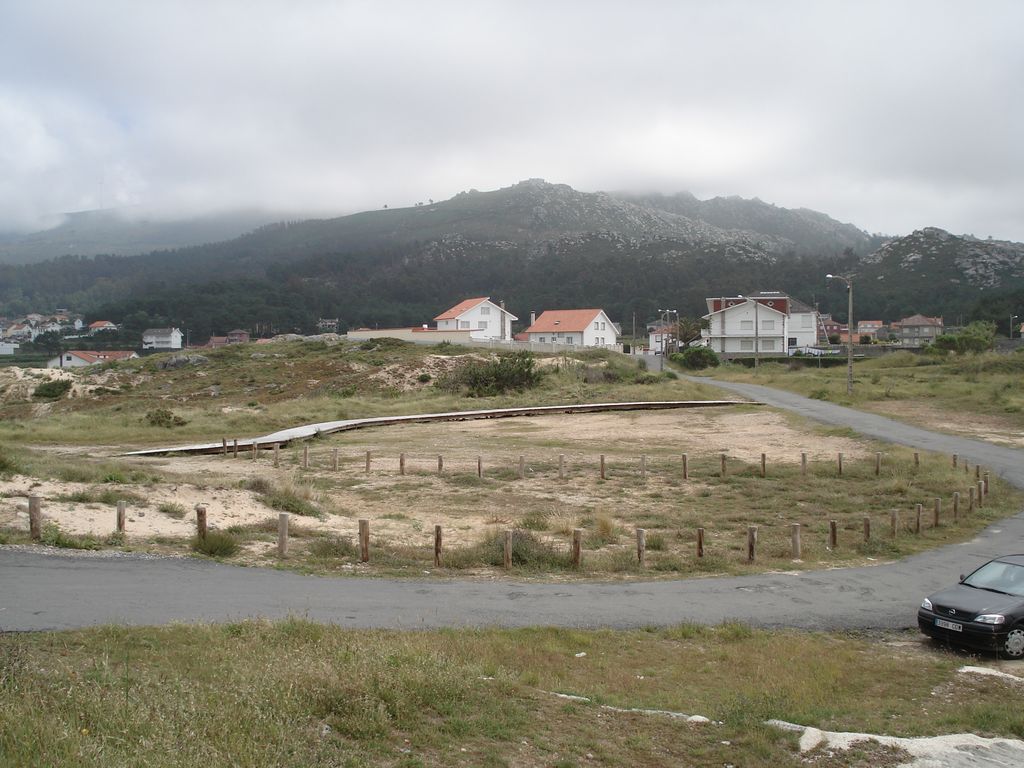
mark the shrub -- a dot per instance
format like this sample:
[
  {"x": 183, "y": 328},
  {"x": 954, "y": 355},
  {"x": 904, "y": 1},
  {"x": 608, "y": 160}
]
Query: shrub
[
  {"x": 8, "y": 466},
  {"x": 528, "y": 551},
  {"x": 696, "y": 358},
  {"x": 177, "y": 511},
  {"x": 216, "y": 544},
  {"x": 53, "y": 536},
  {"x": 643, "y": 377},
  {"x": 423, "y": 378},
  {"x": 52, "y": 390},
  {"x": 163, "y": 417},
  {"x": 332, "y": 547},
  {"x": 515, "y": 371}
]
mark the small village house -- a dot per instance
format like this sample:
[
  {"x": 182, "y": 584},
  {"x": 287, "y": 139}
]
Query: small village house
[
  {"x": 918, "y": 330},
  {"x": 161, "y": 338},
  {"x": 481, "y": 316},
  {"x": 573, "y": 327},
  {"x": 8, "y": 347},
  {"x": 99, "y": 326},
  {"x": 766, "y": 322},
  {"x": 80, "y": 358}
]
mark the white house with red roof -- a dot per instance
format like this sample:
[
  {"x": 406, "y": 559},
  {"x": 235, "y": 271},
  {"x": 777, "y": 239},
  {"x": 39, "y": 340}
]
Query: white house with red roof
[
  {"x": 573, "y": 327},
  {"x": 481, "y": 316},
  {"x": 101, "y": 325},
  {"x": 79, "y": 358},
  {"x": 766, "y": 322}
]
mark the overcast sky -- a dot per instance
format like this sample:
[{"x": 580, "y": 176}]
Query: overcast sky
[{"x": 891, "y": 115}]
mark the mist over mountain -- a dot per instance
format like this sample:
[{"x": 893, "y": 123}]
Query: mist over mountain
[{"x": 534, "y": 244}]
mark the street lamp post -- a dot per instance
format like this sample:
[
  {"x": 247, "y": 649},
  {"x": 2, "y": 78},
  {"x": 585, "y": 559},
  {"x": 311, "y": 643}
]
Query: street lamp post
[
  {"x": 1012, "y": 318},
  {"x": 849, "y": 328}
]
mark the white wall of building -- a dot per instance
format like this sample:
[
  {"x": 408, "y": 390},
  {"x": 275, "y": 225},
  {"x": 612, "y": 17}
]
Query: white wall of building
[
  {"x": 600, "y": 332},
  {"x": 485, "y": 319}
]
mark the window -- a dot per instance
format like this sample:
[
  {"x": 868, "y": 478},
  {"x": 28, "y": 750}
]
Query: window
[
  {"x": 596, "y": 324},
  {"x": 543, "y": 339},
  {"x": 481, "y": 325},
  {"x": 791, "y": 341},
  {"x": 746, "y": 325},
  {"x": 570, "y": 340},
  {"x": 463, "y": 324},
  {"x": 602, "y": 326},
  {"x": 485, "y": 310},
  {"x": 768, "y": 345},
  {"x": 767, "y": 325},
  {"x": 746, "y": 345}
]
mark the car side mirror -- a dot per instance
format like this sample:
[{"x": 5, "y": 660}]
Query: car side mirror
[{"x": 962, "y": 577}]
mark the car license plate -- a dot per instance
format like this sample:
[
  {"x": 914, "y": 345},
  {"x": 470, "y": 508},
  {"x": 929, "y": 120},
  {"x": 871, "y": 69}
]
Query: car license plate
[{"x": 949, "y": 625}]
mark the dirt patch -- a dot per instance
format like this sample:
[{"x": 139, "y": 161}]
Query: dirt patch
[
  {"x": 985, "y": 427},
  {"x": 404, "y": 509}
]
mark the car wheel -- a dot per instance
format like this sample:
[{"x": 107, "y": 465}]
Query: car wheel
[{"x": 1013, "y": 645}]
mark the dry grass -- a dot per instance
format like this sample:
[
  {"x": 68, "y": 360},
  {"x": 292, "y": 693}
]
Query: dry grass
[{"x": 295, "y": 693}]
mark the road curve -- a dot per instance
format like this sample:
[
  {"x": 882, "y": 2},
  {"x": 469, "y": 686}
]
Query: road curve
[{"x": 40, "y": 591}]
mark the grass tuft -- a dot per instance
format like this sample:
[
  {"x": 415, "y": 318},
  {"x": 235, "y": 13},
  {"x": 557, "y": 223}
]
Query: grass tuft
[{"x": 216, "y": 544}]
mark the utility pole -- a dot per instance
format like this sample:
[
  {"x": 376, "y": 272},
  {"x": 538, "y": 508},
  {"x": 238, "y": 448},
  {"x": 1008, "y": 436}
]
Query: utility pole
[{"x": 848, "y": 279}]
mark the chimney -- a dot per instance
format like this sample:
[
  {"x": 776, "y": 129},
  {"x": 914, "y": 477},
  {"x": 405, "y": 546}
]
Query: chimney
[
  {"x": 502, "y": 304},
  {"x": 533, "y": 317}
]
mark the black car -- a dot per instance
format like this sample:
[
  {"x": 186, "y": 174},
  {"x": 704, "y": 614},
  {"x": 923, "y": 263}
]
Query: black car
[{"x": 985, "y": 611}]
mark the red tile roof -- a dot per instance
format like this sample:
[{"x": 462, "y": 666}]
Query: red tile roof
[
  {"x": 572, "y": 320},
  {"x": 458, "y": 309},
  {"x": 104, "y": 356},
  {"x": 101, "y": 324}
]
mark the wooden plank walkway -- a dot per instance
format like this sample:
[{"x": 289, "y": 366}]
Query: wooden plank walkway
[{"x": 285, "y": 436}]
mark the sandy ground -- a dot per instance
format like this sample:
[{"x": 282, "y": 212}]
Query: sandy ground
[
  {"x": 991, "y": 429},
  {"x": 403, "y": 509}
]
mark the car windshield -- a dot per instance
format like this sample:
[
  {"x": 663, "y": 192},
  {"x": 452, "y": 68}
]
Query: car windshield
[{"x": 1000, "y": 577}]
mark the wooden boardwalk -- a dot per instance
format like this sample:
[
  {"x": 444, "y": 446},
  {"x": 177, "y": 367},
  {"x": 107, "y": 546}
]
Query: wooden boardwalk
[{"x": 285, "y": 436}]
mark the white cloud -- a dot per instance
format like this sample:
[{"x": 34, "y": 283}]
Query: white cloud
[{"x": 890, "y": 115}]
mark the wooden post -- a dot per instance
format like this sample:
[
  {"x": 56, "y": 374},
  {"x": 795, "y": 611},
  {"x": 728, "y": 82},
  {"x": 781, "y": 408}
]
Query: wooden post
[
  {"x": 561, "y": 466},
  {"x": 984, "y": 481},
  {"x": 255, "y": 448},
  {"x": 833, "y": 534},
  {"x": 839, "y": 464},
  {"x": 956, "y": 506},
  {"x": 369, "y": 455},
  {"x": 522, "y": 467},
  {"x": 577, "y": 546},
  {"x": 305, "y": 457},
  {"x": 224, "y": 446},
  {"x": 794, "y": 533},
  {"x": 917, "y": 459},
  {"x": 479, "y": 466},
  {"x": 643, "y": 466},
  {"x": 277, "y": 454},
  {"x": 641, "y": 546},
  {"x": 235, "y": 453},
  {"x": 122, "y": 508},
  {"x": 700, "y": 542},
  {"x": 35, "y": 518},
  {"x": 894, "y": 520},
  {"x": 919, "y": 511},
  {"x": 722, "y": 461},
  {"x": 938, "y": 511},
  {"x": 970, "y": 499},
  {"x": 955, "y": 460},
  {"x": 751, "y": 543},
  {"x": 437, "y": 546},
  {"x": 401, "y": 463},
  {"x": 201, "y": 521},
  {"x": 602, "y": 467},
  {"x": 440, "y": 464},
  {"x": 803, "y": 464},
  {"x": 878, "y": 463},
  {"x": 282, "y": 535},
  {"x": 364, "y": 540},
  {"x": 867, "y": 529},
  {"x": 977, "y": 471},
  {"x": 980, "y": 494},
  {"x": 334, "y": 459},
  {"x": 507, "y": 560},
  {"x": 967, "y": 467},
  {"x": 686, "y": 468},
  {"x": 764, "y": 465}
]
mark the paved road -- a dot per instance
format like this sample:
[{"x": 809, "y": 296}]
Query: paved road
[{"x": 54, "y": 592}]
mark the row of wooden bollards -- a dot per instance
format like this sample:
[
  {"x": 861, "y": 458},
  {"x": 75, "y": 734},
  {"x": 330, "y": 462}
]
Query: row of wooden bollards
[
  {"x": 976, "y": 496},
  {"x": 602, "y": 463}
]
